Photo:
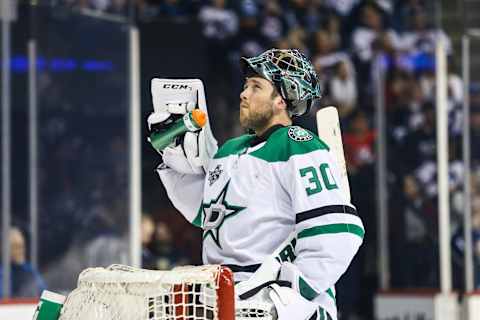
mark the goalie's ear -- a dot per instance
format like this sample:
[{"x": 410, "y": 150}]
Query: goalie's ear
[{"x": 278, "y": 101}]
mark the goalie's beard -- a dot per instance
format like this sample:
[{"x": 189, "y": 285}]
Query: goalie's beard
[{"x": 256, "y": 118}]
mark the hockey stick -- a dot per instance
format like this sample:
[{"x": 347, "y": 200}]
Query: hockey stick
[{"x": 328, "y": 126}]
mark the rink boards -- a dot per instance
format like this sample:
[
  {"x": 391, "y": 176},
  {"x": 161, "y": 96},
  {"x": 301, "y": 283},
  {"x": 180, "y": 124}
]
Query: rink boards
[{"x": 426, "y": 305}]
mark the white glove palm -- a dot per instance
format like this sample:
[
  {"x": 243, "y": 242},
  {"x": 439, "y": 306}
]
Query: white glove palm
[{"x": 184, "y": 158}]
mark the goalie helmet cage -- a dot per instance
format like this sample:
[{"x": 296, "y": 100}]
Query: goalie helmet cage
[{"x": 125, "y": 293}]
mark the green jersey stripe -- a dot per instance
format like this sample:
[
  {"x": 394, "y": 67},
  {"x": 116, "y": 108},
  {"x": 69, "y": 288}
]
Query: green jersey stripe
[
  {"x": 279, "y": 147},
  {"x": 306, "y": 290},
  {"x": 321, "y": 311},
  {"x": 330, "y": 293},
  {"x": 234, "y": 146},
  {"x": 309, "y": 293},
  {"x": 197, "y": 222},
  {"x": 332, "y": 228}
]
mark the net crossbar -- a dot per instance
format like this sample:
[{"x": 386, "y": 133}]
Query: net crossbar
[{"x": 125, "y": 293}]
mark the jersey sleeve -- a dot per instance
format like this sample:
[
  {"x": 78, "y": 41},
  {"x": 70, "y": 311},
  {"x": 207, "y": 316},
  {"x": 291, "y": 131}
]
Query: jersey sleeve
[
  {"x": 328, "y": 229},
  {"x": 185, "y": 191}
]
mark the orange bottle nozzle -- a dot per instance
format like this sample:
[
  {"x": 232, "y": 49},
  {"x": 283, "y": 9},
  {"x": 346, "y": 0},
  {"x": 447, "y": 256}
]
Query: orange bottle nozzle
[{"x": 199, "y": 117}]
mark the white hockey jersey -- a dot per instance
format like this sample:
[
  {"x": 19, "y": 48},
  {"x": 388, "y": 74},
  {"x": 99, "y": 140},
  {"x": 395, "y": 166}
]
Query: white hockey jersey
[{"x": 260, "y": 189}]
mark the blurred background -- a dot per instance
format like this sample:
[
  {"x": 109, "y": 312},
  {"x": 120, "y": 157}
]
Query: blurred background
[{"x": 79, "y": 186}]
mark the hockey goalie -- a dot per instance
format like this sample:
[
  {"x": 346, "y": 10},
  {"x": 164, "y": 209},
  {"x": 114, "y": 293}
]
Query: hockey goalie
[{"x": 273, "y": 205}]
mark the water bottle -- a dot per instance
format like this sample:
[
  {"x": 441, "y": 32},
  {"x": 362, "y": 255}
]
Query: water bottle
[{"x": 192, "y": 121}]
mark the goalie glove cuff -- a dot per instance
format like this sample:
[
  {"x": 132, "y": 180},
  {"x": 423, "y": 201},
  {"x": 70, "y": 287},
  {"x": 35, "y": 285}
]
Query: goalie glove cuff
[
  {"x": 290, "y": 272},
  {"x": 290, "y": 305}
]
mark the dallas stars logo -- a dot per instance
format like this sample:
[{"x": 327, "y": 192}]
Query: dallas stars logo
[
  {"x": 215, "y": 213},
  {"x": 297, "y": 133}
]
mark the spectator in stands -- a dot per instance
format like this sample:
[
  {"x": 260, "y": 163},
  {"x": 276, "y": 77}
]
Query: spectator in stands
[
  {"x": 405, "y": 100},
  {"x": 315, "y": 15},
  {"x": 369, "y": 39},
  {"x": 325, "y": 50},
  {"x": 455, "y": 96},
  {"x": 420, "y": 145},
  {"x": 219, "y": 23},
  {"x": 295, "y": 12},
  {"x": 297, "y": 38},
  {"x": 334, "y": 28},
  {"x": 149, "y": 259},
  {"x": 371, "y": 33},
  {"x": 415, "y": 117},
  {"x": 249, "y": 40},
  {"x": 417, "y": 222},
  {"x": 105, "y": 240},
  {"x": 273, "y": 25},
  {"x": 343, "y": 88},
  {"x": 359, "y": 143},
  {"x": 475, "y": 134},
  {"x": 421, "y": 36},
  {"x": 458, "y": 242},
  {"x": 426, "y": 173},
  {"x": 26, "y": 281},
  {"x": 326, "y": 56},
  {"x": 169, "y": 255},
  {"x": 344, "y": 7},
  {"x": 404, "y": 10},
  {"x": 454, "y": 83}
]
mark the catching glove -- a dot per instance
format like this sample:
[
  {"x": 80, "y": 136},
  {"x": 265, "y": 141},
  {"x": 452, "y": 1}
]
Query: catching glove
[{"x": 173, "y": 98}]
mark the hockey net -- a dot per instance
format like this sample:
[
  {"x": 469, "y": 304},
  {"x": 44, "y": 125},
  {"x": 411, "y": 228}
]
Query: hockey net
[{"x": 125, "y": 293}]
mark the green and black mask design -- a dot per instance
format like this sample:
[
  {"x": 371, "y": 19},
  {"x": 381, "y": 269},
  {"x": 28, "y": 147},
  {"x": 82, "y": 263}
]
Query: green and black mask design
[{"x": 292, "y": 74}]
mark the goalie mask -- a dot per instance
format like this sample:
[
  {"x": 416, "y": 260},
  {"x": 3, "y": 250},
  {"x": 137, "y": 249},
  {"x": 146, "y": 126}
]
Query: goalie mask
[{"x": 291, "y": 73}]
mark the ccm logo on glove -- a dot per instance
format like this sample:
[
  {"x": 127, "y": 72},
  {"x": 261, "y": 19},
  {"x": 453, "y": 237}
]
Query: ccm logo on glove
[{"x": 176, "y": 86}]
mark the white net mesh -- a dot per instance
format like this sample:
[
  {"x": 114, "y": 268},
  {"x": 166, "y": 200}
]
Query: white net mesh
[
  {"x": 249, "y": 310},
  {"x": 125, "y": 293}
]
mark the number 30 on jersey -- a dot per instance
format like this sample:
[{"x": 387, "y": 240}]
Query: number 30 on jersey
[{"x": 318, "y": 179}]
